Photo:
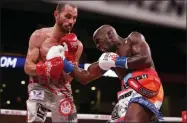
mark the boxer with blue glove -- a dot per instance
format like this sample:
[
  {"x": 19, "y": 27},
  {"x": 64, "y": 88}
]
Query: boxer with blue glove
[{"x": 130, "y": 58}]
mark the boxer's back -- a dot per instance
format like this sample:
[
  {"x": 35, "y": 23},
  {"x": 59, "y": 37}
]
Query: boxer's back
[
  {"x": 130, "y": 98},
  {"x": 125, "y": 48}
]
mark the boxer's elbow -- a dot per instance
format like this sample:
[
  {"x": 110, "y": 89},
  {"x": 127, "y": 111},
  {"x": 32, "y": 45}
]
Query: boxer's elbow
[
  {"x": 26, "y": 68},
  {"x": 147, "y": 62},
  {"x": 81, "y": 80},
  {"x": 30, "y": 69},
  {"x": 85, "y": 80},
  {"x": 144, "y": 62},
  {"x": 139, "y": 62}
]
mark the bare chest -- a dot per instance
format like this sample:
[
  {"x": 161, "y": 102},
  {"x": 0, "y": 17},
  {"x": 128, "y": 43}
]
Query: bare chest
[
  {"x": 46, "y": 45},
  {"x": 124, "y": 49}
]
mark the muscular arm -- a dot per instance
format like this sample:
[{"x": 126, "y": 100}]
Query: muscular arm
[
  {"x": 141, "y": 55},
  {"x": 85, "y": 76},
  {"x": 79, "y": 52},
  {"x": 32, "y": 54}
]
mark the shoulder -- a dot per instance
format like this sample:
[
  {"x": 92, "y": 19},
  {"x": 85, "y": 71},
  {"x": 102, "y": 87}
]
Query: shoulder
[
  {"x": 135, "y": 34},
  {"x": 41, "y": 32},
  {"x": 79, "y": 43},
  {"x": 38, "y": 36},
  {"x": 136, "y": 37}
]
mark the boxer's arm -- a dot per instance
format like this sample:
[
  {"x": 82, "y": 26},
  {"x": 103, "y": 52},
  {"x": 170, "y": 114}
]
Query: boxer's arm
[
  {"x": 85, "y": 76},
  {"x": 141, "y": 55},
  {"x": 79, "y": 52},
  {"x": 32, "y": 54}
]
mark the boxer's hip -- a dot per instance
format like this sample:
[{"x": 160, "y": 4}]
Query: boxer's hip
[
  {"x": 149, "y": 79},
  {"x": 56, "y": 99},
  {"x": 128, "y": 96},
  {"x": 152, "y": 88},
  {"x": 49, "y": 94},
  {"x": 54, "y": 86},
  {"x": 141, "y": 74},
  {"x": 146, "y": 82}
]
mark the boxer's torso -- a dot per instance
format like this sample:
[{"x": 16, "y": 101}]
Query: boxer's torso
[
  {"x": 124, "y": 48},
  {"x": 50, "y": 38},
  {"x": 127, "y": 93}
]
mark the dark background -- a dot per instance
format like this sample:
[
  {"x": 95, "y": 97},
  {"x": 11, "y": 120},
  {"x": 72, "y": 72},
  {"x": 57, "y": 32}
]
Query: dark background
[{"x": 168, "y": 46}]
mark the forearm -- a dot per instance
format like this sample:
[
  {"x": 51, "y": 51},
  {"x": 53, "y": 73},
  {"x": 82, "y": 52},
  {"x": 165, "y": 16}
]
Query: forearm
[
  {"x": 85, "y": 76},
  {"x": 81, "y": 75},
  {"x": 138, "y": 62}
]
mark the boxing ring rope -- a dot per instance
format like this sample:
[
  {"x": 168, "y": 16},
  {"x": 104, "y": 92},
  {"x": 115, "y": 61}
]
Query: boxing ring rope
[{"x": 82, "y": 116}]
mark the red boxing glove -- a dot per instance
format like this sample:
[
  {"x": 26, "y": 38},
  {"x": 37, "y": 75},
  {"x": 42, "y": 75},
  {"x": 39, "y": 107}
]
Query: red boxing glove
[
  {"x": 51, "y": 68},
  {"x": 72, "y": 45}
]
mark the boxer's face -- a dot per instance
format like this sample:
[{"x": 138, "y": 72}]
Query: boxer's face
[
  {"x": 104, "y": 43},
  {"x": 66, "y": 18}
]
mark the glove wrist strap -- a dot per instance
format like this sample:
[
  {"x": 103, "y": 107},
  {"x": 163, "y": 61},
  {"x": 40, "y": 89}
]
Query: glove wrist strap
[
  {"x": 121, "y": 61},
  {"x": 68, "y": 66}
]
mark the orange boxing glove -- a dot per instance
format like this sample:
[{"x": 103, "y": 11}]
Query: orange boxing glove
[
  {"x": 51, "y": 68},
  {"x": 70, "y": 41}
]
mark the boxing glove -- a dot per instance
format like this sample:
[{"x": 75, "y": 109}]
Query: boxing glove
[
  {"x": 109, "y": 59},
  {"x": 51, "y": 68},
  {"x": 56, "y": 52},
  {"x": 70, "y": 43}
]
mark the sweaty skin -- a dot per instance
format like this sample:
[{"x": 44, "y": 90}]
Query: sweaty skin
[
  {"x": 39, "y": 44},
  {"x": 43, "y": 39},
  {"x": 44, "y": 92},
  {"x": 134, "y": 47},
  {"x": 138, "y": 51}
]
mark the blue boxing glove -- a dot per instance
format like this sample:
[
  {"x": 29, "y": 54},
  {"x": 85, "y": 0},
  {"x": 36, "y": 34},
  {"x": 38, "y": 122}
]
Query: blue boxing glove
[{"x": 109, "y": 59}]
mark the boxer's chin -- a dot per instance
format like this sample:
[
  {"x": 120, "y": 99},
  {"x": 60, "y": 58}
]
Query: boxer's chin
[{"x": 66, "y": 30}]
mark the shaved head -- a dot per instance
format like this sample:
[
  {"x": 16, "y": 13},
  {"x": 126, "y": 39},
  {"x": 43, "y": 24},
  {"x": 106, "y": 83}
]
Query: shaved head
[
  {"x": 105, "y": 37},
  {"x": 104, "y": 30}
]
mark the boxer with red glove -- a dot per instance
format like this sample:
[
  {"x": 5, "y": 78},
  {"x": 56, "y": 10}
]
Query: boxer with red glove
[
  {"x": 54, "y": 65},
  {"x": 49, "y": 87},
  {"x": 60, "y": 56},
  {"x": 70, "y": 43}
]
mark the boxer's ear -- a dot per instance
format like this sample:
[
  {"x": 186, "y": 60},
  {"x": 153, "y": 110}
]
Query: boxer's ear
[{"x": 55, "y": 14}]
